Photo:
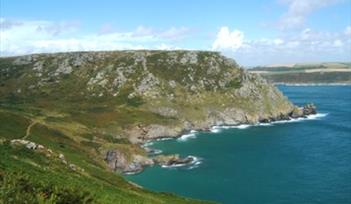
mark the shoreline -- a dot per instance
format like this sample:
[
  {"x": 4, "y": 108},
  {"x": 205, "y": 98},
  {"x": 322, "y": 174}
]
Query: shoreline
[
  {"x": 214, "y": 128},
  {"x": 312, "y": 84},
  {"x": 186, "y": 134}
]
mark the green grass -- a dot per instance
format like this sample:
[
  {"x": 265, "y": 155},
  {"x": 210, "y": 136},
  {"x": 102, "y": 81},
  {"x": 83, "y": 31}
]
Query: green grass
[
  {"x": 12, "y": 126},
  {"x": 42, "y": 176},
  {"x": 28, "y": 174}
]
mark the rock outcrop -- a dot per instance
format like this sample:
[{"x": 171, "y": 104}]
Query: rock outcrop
[
  {"x": 299, "y": 112},
  {"x": 173, "y": 160},
  {"x": 119, "y": 161}
]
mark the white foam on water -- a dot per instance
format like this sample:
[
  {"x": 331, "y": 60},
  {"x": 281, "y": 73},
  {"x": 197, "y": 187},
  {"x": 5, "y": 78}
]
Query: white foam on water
[
  {"x": 317, "y": 116},
  {"x": 187, "y": 136},
  {"x": 215, "y": 129},
  {"x": 173, "y": 166},
  {"x": 195, "y": 163},
  {"x": 156, "y": 151},
  {"x": 243, "y": 126},
  {"x": 147, "y": 144},
  {"x": 263, "y": 124},
  {"x": 164, "y": 138}
]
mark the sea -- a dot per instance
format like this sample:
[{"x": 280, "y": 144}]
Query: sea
[{"x": 299, "y": 161}]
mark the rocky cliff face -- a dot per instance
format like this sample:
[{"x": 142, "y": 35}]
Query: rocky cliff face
[{"x": 141, "y": 95}]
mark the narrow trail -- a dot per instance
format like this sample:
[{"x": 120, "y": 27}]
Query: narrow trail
[{"x": 28, "y": 129}]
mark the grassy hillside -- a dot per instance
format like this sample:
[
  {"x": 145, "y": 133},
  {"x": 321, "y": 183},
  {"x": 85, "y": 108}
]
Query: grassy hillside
[
  {"x": 38, "y": 175},
  {"x": 87, "y": 114},
  {"x": 306, "y": 73}
]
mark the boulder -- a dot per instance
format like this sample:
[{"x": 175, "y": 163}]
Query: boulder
[
  {"x": 309, "y": 109},
  {"x": 31, "y": 145}
]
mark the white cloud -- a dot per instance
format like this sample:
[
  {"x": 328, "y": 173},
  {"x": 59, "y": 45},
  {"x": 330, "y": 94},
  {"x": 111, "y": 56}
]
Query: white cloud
[
  {"x": 175, "y": 33},
  {"x": 278, "y": 41},
  {"x": 168, "y": 47},
  {"x": 338, "y": 43},
  {"x": 299, "y": 10},
  {"x": 227, "y": 39},
  {"x": 306, "y": 46},
  {"x": 24, "y": 37},
  {"x": 348, "y": 30}
]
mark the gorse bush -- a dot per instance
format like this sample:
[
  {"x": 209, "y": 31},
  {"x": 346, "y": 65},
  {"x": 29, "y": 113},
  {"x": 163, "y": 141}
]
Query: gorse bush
[{"x": 17, "y": 187}]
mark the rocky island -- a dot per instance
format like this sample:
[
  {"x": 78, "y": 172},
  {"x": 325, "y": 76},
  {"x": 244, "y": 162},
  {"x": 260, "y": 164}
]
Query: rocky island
[{"x": 97, "y": 109}]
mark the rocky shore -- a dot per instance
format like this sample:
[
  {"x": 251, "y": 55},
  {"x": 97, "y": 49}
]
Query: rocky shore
[{"x": 117, "y": 161}]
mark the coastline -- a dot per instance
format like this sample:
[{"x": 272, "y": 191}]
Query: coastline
[
  {"x": 215, "y": 128},
  {"x": 173, "y": 161},
  {"x": 312, "y": 84}
]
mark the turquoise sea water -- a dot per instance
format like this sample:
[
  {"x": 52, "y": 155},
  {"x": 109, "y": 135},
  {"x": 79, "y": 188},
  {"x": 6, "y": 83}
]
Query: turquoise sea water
[{"x": 307, "y": 161}]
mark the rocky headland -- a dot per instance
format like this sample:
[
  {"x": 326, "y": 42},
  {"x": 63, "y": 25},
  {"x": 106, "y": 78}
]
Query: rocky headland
[{"x": 111, "y": 103}]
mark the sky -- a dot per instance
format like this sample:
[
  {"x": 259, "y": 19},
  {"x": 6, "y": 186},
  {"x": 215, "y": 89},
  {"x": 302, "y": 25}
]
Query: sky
[{"x": 253, "y": 32}]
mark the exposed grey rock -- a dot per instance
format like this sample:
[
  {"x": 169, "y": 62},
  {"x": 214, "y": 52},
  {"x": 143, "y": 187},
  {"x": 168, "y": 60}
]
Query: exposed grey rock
[
  {"x": 61, "y": 156},
  {"x": 309, "y": 109},
  {"x": 157, "y": 131},
  {"x": 118, "y": 161},
  {"x": 64, "y": 68},
  {"x": 40, "y": 146},
  {"x": 73, "y": 167},
  {"x": 172, "y": 83},
  {"x": 120, "y": 79},
  {"x": 297, "y": 112},
  {"x": 147, "y": 85},
  {"x": 165, "y": 111},
  {"x": 172, "y": 160},
  {"x": 23, "y": 60},
  {"x": 38, "y": 66},
  {"x": 31, "y": 145}
]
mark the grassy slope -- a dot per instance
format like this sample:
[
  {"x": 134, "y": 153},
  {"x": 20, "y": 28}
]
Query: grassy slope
[{"x": 103, "y": 185}]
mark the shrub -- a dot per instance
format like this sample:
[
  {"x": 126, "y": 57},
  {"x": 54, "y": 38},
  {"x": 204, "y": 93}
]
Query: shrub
[{"x": 17, "y": 187}]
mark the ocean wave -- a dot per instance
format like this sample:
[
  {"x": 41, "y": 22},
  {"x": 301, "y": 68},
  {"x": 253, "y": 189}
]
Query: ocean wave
[
  {"x": 164, "y": 138},
  {"x": 185, "y": 137},
  {"x": 316, "y": 116},
  {"x": 155, "y": 151},
  {"x": 146, "y": 144},
  {"x": 215, "y": 129}
]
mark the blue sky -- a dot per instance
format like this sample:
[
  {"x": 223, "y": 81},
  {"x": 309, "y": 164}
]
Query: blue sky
[{"x": 252, "y": 32}]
